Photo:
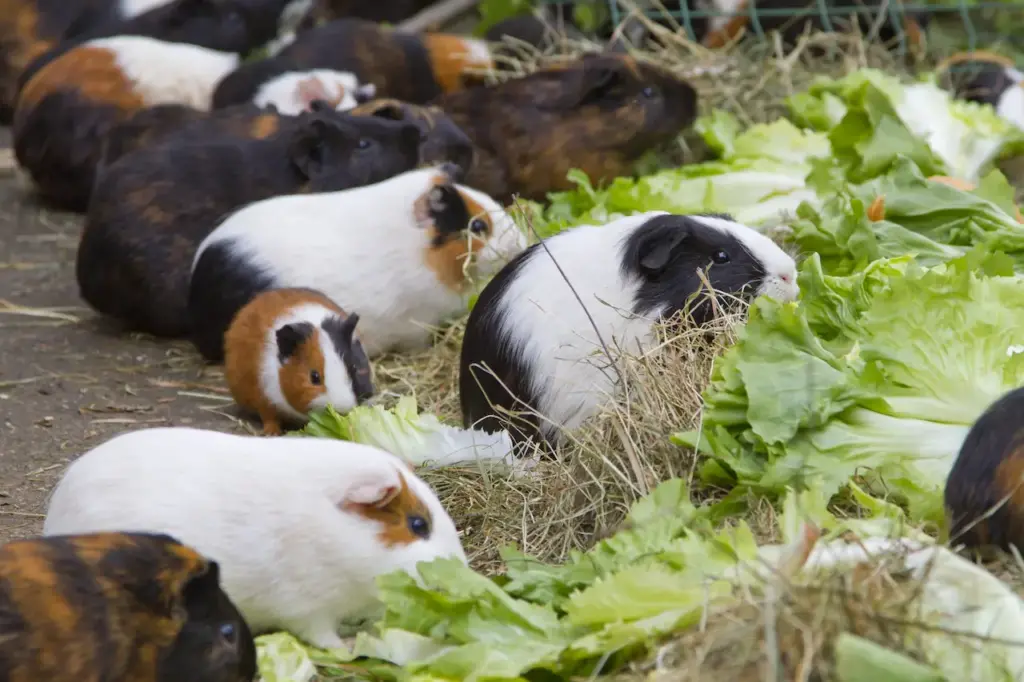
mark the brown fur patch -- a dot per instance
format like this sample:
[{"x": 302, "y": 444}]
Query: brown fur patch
[
  {"x": 452, "y": 57},
  {"x": 19, "y": 25},
  {"x": 729, "y": 32},
  {"x": 263, "y": 126},
  {"x": 1009, "y": 478},
  {"x": 394, "y": 515},
  {"x": 244, "y": 345},
  {"x": 448, "y": 259},
  {"x": 915, "y": 34},
  {"x": 975, "y": 56},
  {"x": 92, "y": 72}
]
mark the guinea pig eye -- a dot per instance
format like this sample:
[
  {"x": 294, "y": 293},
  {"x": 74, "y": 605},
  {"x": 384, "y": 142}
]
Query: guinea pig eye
[
  {"x": 228, "y": 633},
  {"x": 418, "y": 526},
  {"x": 478, "y": 226},
  {"x": 720, "y": 257},
  {"x": 315, "y": 378},
  {"x": 364, "y": 143},
  {"x": 648, "y": 92}
]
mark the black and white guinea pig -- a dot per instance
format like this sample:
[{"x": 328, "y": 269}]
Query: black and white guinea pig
[
  {"x": 65, "y": 112},
  {"x": 398, "y": 252},
  {"x": 529, "y": 329},
  {"x": 987, "y": 78},
  {"x": 985, "y": 488},
  {"x": 289, "y": 352},
  {"x": 301, "y": 527}
]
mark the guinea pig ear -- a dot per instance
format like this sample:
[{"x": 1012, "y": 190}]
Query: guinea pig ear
[
  {"x": 374, "y": 489},
  {"x": 390, "y": 111},
  {"x": 364, "y": 93},
  {"x": 453, "y": 172},
  {"x": 290, "y": 337},
  {"x": 307, "y": 147},
  {"x": 447, "y": 209},
  {"x": 591, "y": 81},
  {"x": 655, "y": 245}
]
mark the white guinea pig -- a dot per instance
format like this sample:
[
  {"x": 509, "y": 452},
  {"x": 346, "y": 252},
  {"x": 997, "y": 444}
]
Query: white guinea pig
[
  {"x": 530, "y": 330},
  {"x": 293, "y": 92},
  {"x": 301, "y": 527},
  {"x": 396, "y": 252}
]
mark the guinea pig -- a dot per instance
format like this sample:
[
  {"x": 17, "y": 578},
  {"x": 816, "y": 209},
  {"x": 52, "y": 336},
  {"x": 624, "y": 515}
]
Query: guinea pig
[
  {"x": 986, "y": 78},
  {"x": 289, "y": 352},
  {"x": 406, "y": 66},
  {"x": 398, "y": 252},
  {"x": 301, "y": 527},
  {"x": 65, "y": 112},
  {"x": 118, "y": 607},
  {"x": 599, "y": 114},
  {"x": 152, "y": 207},
  {"x": 528, "y": 328},
  {"x": 985, "y": 489},
  {"x": 443, "y": 141}
]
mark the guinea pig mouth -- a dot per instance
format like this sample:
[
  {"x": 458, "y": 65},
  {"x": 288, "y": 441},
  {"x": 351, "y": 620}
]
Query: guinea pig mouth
[{"x": 779, "y": 288}]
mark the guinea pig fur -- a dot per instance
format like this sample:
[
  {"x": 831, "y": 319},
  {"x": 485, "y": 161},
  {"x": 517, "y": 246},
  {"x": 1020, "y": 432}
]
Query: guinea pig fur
[
  {"x": 294, "y": 92},
  {"x": 66, "y": 111},
  {"x": 301, "y": 527},
  {"x": 984, "y": 491},
  {"x": 118, "y": 607},
  {"x": 599, "y": 114},
  {"x": 443, "y": 141},
  {"x": 390, "y": 12},
  {"x": 155, "y": 205},
  {"x": 405, "y": 66},
  {"x": 528, "y": 328},
  {"x": 987, "y": 78},
  {"x": 397, "y": 252},
  {"x": 289, "y": 352}
]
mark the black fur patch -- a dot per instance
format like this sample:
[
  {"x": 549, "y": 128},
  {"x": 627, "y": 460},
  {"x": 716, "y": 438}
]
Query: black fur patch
[
  {"x": 290, "y": 337},
  {"x": 664, "y": 254},
  {"x": 341, "y": 333},
  {"x": 982, "y": 82},
  {"x": 242, "y": 84},
  {"x": 449, "y": 211},
  {"x": 223, "y": 282},
  {"x": 483, "y": 394}
]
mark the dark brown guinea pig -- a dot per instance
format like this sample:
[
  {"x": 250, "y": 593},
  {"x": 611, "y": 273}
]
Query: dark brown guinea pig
[
  {"x": 66, "y": 110},
  {"x": 151, "y": 208},
  {"x": 599, "y": 113},
  {"x": 985, "y": 487},
  {"x": 410, "y": 67},
  {"x": 117, "y": 607},
  {"x": 443, "y": 141}
]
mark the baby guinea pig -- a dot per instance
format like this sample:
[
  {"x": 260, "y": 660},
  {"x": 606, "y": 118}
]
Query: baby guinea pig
[
  {"x": 443, "y": 141},
  {"x": 65, "y": 112},
  {"x": 289, "y": 352},
  {"x": 301, "y": 527},
  {"x": 529, "y": 329},
  {"x": 154, "y": 206},
  {"x": 986, "y": 78},
  {"x": 118, "y": 607},
  {"x": 415, "y": 68},
  {"x": 985, "y": 488},
  {"x": 599, "y": 114},
  {"x": 398, "y": 252}
]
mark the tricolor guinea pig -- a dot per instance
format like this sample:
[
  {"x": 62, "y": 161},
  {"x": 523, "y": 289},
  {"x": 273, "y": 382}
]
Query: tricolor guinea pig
[
  {"x": 398, "y": 252},
  {"x": 119, "y": 607},
  {"x": 151, "y": 208},
  {"x": 987, "y": 78},
  {"x": 531, "y": 347},
  {"x": 443, "y": 141},
  {"x": 301, "y": 527},
  {"x": 985, "y": 488},
  {"x": 414, "y": 68},
  {"x": 66, "y": 110},
  {"x": 599, "y": 114},
  {"x": 289, "y": 352}
]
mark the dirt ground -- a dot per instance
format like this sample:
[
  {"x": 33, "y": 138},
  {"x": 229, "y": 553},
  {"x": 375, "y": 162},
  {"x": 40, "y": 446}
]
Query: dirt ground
[{"x": 70, "y": 380}]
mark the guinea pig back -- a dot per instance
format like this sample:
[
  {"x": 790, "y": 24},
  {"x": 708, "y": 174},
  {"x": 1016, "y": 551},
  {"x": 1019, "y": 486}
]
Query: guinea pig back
[
  {"x": 599, "y": 113},
  {"x": 123, "y": 607}
]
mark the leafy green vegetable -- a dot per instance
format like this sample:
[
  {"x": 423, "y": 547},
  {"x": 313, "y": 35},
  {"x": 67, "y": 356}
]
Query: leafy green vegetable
[{"x": 403, "y": 431}]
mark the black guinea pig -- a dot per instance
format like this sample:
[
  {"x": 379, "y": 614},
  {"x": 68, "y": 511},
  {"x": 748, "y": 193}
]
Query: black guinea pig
[
  {"x": 985, "y": 489},
  {"x": 410, "y": 67},
  {"x": 151, "y": 208},
  {"x": 599, "y": 114},
  {"x": 118, "y": 607}
]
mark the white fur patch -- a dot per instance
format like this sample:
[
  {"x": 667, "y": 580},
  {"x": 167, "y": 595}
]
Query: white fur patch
[
  {"x": 271, "y": 510},
  {"x": 1011, "y": 105},
  {"x": 169, "y": 73},
  {"x": 364, "y": 249},
  {"x": 544, "y": 323},
  {"x": 478, "y": 50},
  {"x": 286, "y": 91},
  {"x": 728, "y": 9},
  {"x": 133, "y": 8}
]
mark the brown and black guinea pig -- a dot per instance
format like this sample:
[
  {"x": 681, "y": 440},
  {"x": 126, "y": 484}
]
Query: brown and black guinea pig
[
  {"x": 117, "y": 607},
  {"x": 35, "y": 32},
  {"x": 65, "y": 112},
  {"x": 599, "y": 113},
  {"x": 151, "y": 208},
  {"x": 985, "y": 488},
  {"x": 414, "y": 68}
]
